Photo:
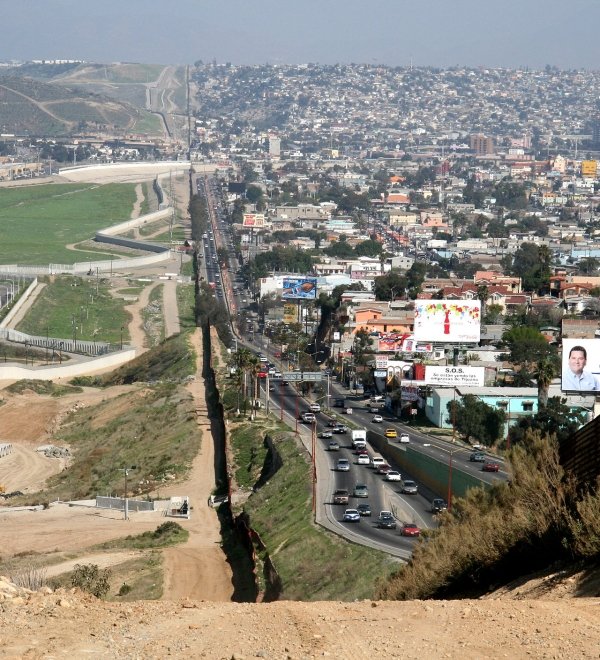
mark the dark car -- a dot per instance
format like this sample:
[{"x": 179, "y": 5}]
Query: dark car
[
  {"x": 340, "y": 429},
  {"x": 477, "y": 457},
  {"x": 490, "y": 466},
  {"x": 364, "y": 509},
  {"x": 386, "y": 520},
  {"x": 438, "y": 505}
]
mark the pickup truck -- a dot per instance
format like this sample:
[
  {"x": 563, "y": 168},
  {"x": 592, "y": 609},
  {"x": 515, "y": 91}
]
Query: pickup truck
[{"x": 340, "y": 496}]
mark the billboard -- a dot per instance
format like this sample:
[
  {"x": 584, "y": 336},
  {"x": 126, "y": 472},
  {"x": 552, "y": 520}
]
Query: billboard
[
  {"x": 299, "y": 288},
  {"x": 455, "y": 376},
  {"x": 290, "y": 313},
  {"x": 256, "y": 220},
  {"x": 589, "y": 168},
  {"x": 580, "y": 365},
  {"x": 447, "y": 320},
  {"x": 397, "y": 343}
]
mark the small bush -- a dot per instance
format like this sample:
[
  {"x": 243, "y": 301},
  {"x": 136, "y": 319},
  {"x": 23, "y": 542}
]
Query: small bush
[
  {"x": 125, "y": 589},
  {"x": 30, "y": 577},
  {"x": 89, "y": 578}
]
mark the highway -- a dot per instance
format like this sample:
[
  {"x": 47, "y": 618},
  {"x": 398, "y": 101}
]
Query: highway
[{"x": 285, "y": 401}]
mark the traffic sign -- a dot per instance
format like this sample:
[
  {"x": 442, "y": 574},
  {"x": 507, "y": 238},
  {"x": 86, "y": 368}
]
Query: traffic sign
[{"x": 302, "y": 376}]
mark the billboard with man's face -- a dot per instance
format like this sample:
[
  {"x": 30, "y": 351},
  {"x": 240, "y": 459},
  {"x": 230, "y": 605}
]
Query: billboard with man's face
[
  {"x": 447, "y": 321},
  {"x": 299, "y": 288},
  {"x": 580, "y": 365}
]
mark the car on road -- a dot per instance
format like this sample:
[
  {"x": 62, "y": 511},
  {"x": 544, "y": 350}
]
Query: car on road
[
  {"x": 308, "y": 417},
  {"x": 409, "y": 487},
  {"x": 284, "y": 382},
  {"x": 351, "y": 515},
  {"x": 404, "y": 438},
  {"x": 341, "y": 496},
  {"x": 361, "y": 451},
  {"x": 333, "y": 445},
  {"x": 363, "y": 459},
  {"x": 409, "y": 529},
  {"x": 386, "y": 520},
  {"x": 343, "y": 465},
  {"x": 391, "y": 433},
  {"x": 348, "y": 411},
  {"x": 384, "y": 468},
  {"x": 392, "y": 475},
  {"x": 490, "y": 466},
  {"x": 315, "y": 407},
  {"x": 364, "y": 509},
  {"x": 277, "y": 374},
  {"x": 477, "y": 457},
  {"x": 376, "y": 461},
  {"x": 378, "y": 419},
  {"x": 340, "y": 429},
  {"x": 332, "y": 423},
  {"x": 374, "y": 409},
  {"x": 438, "y": 505},
  {"x": 361, "y": 490},
  {"x": 325, "y": 435}
]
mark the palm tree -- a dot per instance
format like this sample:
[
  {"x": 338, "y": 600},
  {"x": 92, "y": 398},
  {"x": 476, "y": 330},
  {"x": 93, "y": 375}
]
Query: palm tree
[
  {"x": 545, "y": 372},
  {"x": 483, "y": 293}
]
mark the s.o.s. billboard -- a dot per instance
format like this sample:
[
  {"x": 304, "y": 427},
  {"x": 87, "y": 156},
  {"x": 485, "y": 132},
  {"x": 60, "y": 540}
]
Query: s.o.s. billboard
[
  {"x": 299, "y": 288},
  {"x": 580, "y": 365},
  {"x": 456, "y": 321}
]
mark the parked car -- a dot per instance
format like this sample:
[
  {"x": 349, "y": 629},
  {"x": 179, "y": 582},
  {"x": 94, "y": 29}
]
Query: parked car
[
  {"x": 351, "y": 515},
  {"x": 409, "y": 487},
  {"x": 386, "y": 520},
  {"x": 361, "y": 490},
  {"x": 341, "y": 496},
  {"x": 409, "y": 529},
  {"x": 363, "y": 459},
  {"x": 391, "y": 433},
  {"x": 404, "y": 438},
  {"x": 392, "y": 475},
  {"x": 325, "y": 435},
  {"x": 364, "y": 509},
  {"x": 333, "y": 445},
  {"x": 378, "y": 419},
  {"x": 438, "y": 505},
  {"x": 343, "y": 465},
  {"x": 490, "y": 466},
  {"x": 477, "y": 457}
]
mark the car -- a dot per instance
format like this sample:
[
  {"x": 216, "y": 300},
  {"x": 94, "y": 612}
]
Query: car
[
  {"x": 409, "y": 487},
  {"x": 277, "y": 374},
  {"x": 363, "y": 459},
  {"x": 362, "y": 451},
  {"x": 340, "y": 429},
  {"x": 409, "y": 529},
  {"x": 477, "y": 457},
  {"x": 315, "y": 407},
  {"x": 386, "y": 520},
  {"x": 361, "y": 490},
  {"x": 341, "y": 496},
  {"x": 262, "y": 374},
  {"x": 490, "y": 466},
  {"x": 277, "y": 354},
  {"x": 376, "y": 461},
  {"x": 378, "y": 419},
  {"x": 391, "y": 433},
  {"x": 438, "y": 505},
  {"x": 343, "y": 465},
  {"x": 364, "y": 509},
  {"x": 284, "y": 382},
  {"x": 374, "y": 409},
  {"x": 351, "y": 515},
  {"x": 404, "y": 438},
  {"x": 308, "y": 417},
  {"x": 392, "y": 475},
  {"x": 333, "y": 445},
  {"x": 325, "y": 435},
  {"x": 478, "y": 447},
  {"x": 384, "y": 468},
  {"x": 348, "y": 411},
  {"x": 332, "y": 423}
]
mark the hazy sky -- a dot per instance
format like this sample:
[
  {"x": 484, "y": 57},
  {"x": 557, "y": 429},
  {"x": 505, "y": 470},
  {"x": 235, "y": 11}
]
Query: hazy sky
[{"x": 433, "y": 32}]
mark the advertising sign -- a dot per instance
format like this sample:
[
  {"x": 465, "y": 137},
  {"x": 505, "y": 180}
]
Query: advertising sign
[
  {"x": 447, "y": 320},
  {"x": 381, "y": 361},
  {"x": 580, "y": 365},
  {"x": 299, "y": 288},
  {"x": 336, "y": 336},
  {"x": 302, "y": 376},
  {"x": 290, "y": 313},
  {"x": 455, "y": 376},
  {"x": 392, "y": 343},
  {"x": 380, "y": 373},
  {"x": 256, "y": 220}
]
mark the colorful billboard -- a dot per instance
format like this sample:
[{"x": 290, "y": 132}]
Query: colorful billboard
[
  {"x": 580, "y": 365},
  {"x": 256, "y": 220},
  {"x": 456, "y": 321},
  {"x": 397, "y": 343},
  {"x": 299, "y": 288},
  {"x": 455, "y": 376}
]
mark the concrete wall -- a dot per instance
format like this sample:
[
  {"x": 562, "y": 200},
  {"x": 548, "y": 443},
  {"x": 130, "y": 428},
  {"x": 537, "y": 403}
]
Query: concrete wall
[
  {"x": 20, "y": 302},
  {"x": 16, "y": 372},
  {"x": 119, "y": 504}
]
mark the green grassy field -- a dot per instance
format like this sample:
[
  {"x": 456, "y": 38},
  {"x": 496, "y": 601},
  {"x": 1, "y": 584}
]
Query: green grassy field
[
  {"x": 67, "y": 301},
  {"x": 38, "y": 222}
]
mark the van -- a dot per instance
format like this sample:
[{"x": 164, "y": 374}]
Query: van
[{"x": 377, "y": 461}]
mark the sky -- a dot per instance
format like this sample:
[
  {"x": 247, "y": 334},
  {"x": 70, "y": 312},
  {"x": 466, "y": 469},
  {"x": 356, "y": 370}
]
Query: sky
[{"x": 507, "y": 33}]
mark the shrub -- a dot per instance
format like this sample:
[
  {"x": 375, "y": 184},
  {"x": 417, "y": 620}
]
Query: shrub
[{"x": 89, "y": 578}]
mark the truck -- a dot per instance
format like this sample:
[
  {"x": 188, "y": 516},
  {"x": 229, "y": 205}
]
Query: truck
[
  {"x": 359, "y": 438},
  {"x": 340, "y": 496}
]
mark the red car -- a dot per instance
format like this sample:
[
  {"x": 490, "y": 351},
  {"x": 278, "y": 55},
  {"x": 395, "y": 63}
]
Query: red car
[
  {"x": 262, "y": 374},
  {"x": 490, "y": 467},
  {"x": 361, "y": 451},
  {"x": 409, "y": 529},
  {"x": 383, "y": 469},
  {"x": 277, "y": 354}
]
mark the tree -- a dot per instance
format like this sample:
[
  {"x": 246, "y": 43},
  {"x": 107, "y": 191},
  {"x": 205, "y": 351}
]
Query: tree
[
  {"x": 340, "y": 249},
  {"x": 546, "y": 370},
  {"x": 531, "y": 263},
  {"x": 369, "y": 248},
  {"x": 253, "y": 194},
  {"x": 390, "y": 285},
  {"x": 527, "y": 345},
  {"x": 473, "y": 418},
  {"x": 555, "y": 418}
]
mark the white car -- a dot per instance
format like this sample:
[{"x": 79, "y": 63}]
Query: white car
[
  {"x": 392, "y": 475},
  {"x": 315, "y": 407},
  {"x": 378, "y": 419},
  {"x": 363, "y": 459},
  {"x": 404, "y": 438}
]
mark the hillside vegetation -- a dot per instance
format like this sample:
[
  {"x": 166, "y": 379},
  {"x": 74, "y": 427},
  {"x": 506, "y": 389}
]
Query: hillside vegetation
[{"x": 494, "y": 536}]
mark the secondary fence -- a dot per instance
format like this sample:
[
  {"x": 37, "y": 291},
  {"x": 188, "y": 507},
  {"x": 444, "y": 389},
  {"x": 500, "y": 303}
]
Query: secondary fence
[{"x": 118, "y": 503}]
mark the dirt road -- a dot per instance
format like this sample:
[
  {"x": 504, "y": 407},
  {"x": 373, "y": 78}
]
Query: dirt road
[
  {"x": 27, "y": 470},
  {"x": 199, "y": 569}
]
